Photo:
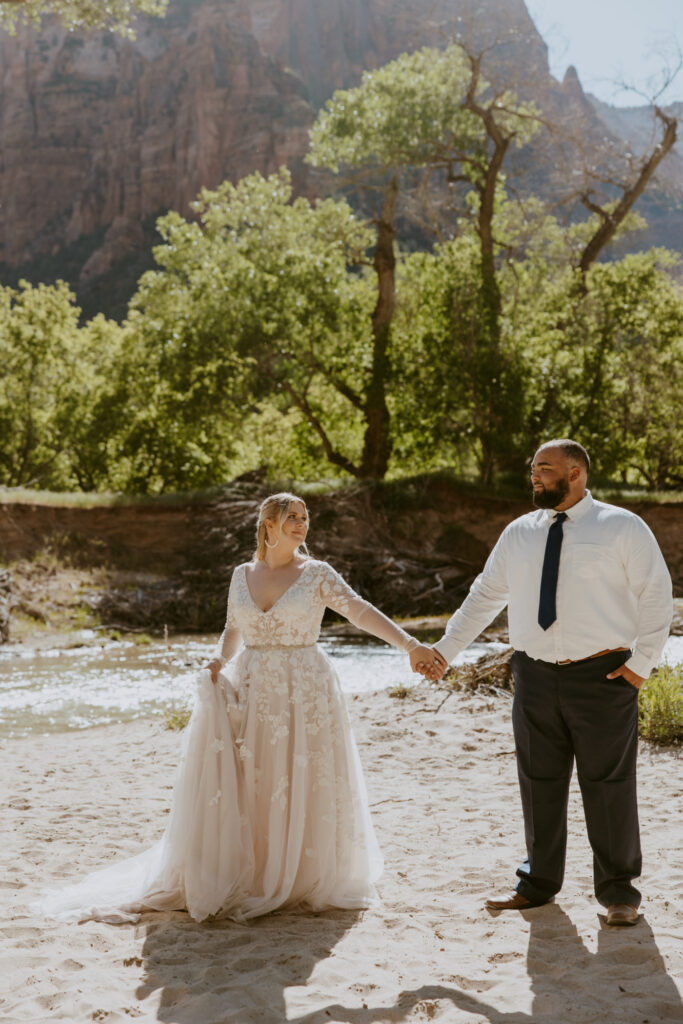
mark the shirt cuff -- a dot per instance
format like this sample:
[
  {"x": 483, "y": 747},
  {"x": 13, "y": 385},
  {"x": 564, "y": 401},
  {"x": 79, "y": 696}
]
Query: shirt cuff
[
  {"x": 449, "y": 647},
  {"x": 640, "y": 664}
]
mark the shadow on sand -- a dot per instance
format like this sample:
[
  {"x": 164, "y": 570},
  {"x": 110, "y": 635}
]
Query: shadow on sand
[{"x": 219, "y": 973}]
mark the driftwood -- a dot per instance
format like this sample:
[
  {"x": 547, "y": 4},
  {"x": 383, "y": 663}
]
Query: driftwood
[
  {"x": 491, "y": 672},
  {"x": 5, "y": 604}
]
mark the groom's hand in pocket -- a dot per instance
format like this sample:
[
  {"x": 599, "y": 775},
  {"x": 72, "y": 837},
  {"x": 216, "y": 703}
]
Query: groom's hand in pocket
[{"x": 628, "y": 675}]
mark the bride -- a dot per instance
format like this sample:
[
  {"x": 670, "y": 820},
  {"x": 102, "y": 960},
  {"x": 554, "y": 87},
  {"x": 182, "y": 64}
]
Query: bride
[{"x": 269, "y": 808}]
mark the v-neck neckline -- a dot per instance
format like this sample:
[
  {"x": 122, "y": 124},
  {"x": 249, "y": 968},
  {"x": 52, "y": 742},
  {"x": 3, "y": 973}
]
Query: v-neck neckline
[{"x": 265, "y": 611}]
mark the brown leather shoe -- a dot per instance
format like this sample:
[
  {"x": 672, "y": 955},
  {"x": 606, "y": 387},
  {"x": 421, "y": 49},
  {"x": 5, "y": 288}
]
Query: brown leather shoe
[
  {"x": 515, "y": 901},
  {"x": 622, "y": 914}
]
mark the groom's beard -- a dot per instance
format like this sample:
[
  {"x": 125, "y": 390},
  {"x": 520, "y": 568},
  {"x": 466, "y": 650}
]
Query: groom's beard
[{"x": 551, "y": 497}]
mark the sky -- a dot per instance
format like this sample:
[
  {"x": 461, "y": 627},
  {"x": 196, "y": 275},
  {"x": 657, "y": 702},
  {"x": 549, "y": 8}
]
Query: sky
[{"x": 610, "y": 41}]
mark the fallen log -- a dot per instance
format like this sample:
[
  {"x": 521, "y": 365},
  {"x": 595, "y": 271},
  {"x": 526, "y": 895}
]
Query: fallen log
[{"x": 5, "y": 605}]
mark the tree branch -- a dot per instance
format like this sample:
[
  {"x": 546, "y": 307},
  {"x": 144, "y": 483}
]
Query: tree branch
[
  {"x": 342, "y": 387},
  {"x": 611, "y": 221},
  {"x": 333, "y": 456}
]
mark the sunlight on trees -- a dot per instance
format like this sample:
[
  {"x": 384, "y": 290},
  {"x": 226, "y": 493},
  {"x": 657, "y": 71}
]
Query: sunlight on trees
[
  {"x": 110, "y": 15},
  {"x": 280, "y": 332}
]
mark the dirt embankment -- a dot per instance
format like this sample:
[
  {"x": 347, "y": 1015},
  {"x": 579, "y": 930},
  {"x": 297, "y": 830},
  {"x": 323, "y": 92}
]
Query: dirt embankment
[{"x": 412, "y": 548}]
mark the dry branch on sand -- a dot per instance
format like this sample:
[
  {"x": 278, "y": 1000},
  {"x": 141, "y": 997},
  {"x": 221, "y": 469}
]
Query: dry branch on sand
[{"x": 491, "y": 670}]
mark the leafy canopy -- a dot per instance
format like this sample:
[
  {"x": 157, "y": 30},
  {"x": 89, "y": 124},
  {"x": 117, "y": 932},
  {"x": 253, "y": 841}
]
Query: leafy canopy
[
  {"x": 112, "y": 15},
  {"x": 413, "y": 112}
]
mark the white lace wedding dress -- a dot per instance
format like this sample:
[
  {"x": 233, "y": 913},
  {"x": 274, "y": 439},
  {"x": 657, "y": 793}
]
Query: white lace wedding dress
[{"x": 269, "y": 807}]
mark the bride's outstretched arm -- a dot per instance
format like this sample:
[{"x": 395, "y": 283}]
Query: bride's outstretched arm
[
  {"x": 338, "y": 595},
  {"x": 229, "y": 642}
]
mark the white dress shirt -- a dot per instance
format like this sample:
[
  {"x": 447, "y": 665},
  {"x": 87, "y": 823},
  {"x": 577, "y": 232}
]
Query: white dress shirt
[{"x": 613, "y": 588}]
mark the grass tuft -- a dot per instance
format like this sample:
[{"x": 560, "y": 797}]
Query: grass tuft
[
  {"x": 400, "y": 692},
  {"x": 177, "y": 719},
  {"x": 660, "y": 706}
]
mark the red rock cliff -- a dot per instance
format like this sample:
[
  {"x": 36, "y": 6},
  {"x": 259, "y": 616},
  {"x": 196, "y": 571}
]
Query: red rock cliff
[{"x": 100, "y": 134}]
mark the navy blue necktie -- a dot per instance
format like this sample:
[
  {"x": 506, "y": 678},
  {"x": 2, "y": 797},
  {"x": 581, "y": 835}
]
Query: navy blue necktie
[{"x": 547, "y": 611}]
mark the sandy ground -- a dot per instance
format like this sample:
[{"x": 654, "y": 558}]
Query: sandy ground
[{"x": 444, "y": 795}]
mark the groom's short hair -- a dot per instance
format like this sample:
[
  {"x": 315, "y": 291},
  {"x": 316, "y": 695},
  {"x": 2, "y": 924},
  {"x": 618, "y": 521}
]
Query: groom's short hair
[{"x": 574, "y": 451}]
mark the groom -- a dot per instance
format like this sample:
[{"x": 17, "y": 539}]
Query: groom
[{"x": 589, "y": 607}]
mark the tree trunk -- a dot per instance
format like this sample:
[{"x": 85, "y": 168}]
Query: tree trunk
[
  {"x": 377, "y": 442},
  {"x": 493, "y": 420}
]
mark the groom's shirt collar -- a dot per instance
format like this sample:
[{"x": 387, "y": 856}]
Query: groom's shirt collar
[{"x": 576, "y": 512}]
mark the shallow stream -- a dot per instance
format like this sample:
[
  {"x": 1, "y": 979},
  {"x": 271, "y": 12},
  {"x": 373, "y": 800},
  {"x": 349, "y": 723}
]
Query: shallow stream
[
  {"x": 91, "y": 683},
  {"x": 100, "y": 683}
]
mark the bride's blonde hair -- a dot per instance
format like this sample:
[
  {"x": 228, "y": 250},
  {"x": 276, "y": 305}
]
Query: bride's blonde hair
[{"x": 275, "y": 506}]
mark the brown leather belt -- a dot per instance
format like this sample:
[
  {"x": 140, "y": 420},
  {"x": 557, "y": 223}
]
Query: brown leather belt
[{"x": 575, "y": 661}]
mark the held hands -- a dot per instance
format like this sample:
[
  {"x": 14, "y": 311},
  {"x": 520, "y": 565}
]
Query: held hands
[
  {"x": 628, "y": 675},
  {"x": 428, "y": 662}
]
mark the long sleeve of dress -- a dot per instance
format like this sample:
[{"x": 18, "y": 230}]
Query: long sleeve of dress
[
  {"x": 338, "y": 595},
  {"x": 231, "y": 637}
]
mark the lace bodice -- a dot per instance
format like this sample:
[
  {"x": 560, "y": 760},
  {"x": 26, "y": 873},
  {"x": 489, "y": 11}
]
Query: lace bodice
[{"x": 294, "y": 620}]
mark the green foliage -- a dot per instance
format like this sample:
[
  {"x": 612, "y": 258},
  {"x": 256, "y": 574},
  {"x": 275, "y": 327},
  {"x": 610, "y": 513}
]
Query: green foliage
[
  {"x": 253, "y": 302},
  {"x": 254, "y": 341},
  {"x": 458, "y": 395},
  {"x": 660, "y": 706},
  {"x": 93, "y": 417},
  {"x": 427, "y": 113},
  {"x": 112, "y": 15},
  {"x": 604, "y": 366},
  {"x": 38, "y": 340},
  {"x": 177, "y": 719},
  {"x": 400, "y": 115},
  {"x": 56, "y": 418},
  {"x": 411, "y": 113}
]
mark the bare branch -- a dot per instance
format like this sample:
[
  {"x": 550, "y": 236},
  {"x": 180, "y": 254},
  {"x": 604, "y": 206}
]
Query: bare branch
[{"x": 611, "y": 221}]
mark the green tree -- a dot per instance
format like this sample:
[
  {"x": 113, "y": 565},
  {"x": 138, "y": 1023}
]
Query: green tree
[
  {"x": 254, "y": 300},
  {"x": 603, "y": 363},
  {"x": 440, "y": 370},
  {"x": 113, "y": 15},
  {"x": 430, "y": 114},
  {"x": 52, "y": 376},
  {"x": 92, "y": 417}
]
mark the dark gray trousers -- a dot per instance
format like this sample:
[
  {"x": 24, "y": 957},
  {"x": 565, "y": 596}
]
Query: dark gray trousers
[{"x": 567, "y": 713}]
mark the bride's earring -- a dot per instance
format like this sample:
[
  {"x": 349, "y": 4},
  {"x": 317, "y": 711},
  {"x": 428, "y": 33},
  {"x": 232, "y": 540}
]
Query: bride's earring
[{"x": 269, "y": 545}]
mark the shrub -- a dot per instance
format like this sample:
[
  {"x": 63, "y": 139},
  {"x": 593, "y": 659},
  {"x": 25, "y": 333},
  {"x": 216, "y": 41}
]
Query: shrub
[
  {"x": 400, "y": 692},
  {"x": 660, "y": 706},
  {"x": 177, "y": 719}
]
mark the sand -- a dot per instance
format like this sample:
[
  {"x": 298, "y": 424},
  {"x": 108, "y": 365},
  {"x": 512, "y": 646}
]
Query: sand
[{"x": 444, "y": 795}]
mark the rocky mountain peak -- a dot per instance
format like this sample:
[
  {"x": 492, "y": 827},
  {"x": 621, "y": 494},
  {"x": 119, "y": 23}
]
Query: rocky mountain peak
[{"x": 99, "y": 135}]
